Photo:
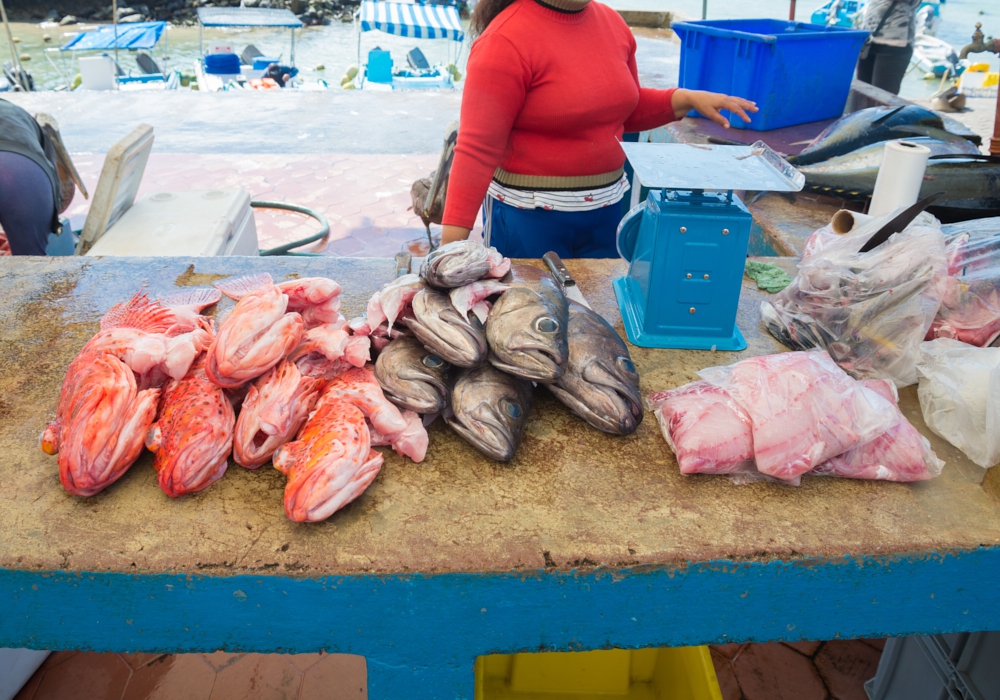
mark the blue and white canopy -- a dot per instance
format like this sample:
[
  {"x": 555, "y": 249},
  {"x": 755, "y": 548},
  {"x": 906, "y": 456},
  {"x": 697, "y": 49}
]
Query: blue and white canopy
[
  {"x": 416, "y": 21},
  {"x": 137, "y": 35},
  {"x": 247, "y": 17}
]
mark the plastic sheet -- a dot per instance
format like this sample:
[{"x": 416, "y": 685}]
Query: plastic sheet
[
  {"x": 960, "y": 397},
  {"x": 970, "y": 307},
  {"x": 870, "y": 310}
]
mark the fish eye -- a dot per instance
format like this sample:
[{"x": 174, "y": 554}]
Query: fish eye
[
  {"x": 512, "y": 409},
  {"x": 627, "y": 365},
  {"x": 546, "y": 325},
  {"x": 432, "y": 361}
]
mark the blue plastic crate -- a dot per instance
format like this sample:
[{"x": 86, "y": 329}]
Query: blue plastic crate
[
  {"x": 379, "y": 68},
  {"x": 795, "y": 72},
  {"x": 222, "y": 64}
]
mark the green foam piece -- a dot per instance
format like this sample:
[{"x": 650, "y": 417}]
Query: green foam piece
[{"x": 768, "y": 276}]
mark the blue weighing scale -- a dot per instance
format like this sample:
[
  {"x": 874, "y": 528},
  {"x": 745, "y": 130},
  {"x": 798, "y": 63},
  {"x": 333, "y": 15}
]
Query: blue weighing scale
[{"x": 687, "y": 243}]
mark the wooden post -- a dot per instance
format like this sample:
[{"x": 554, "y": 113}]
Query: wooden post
[{"x": 791, "y": 11}]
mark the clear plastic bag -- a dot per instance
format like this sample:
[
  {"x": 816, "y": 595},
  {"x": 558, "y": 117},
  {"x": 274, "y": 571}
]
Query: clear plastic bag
[
  {"x": 870, "y": 310},
  {"x": 960, "y": 396},
  {"x": 803, "y": 408},
  {"x": 970, "y": 306}
]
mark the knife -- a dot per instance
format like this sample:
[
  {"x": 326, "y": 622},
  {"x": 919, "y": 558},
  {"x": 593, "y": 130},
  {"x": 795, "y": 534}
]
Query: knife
[
  {"x": 900, "y": 222},
  {"x": 564, "y": 278}
]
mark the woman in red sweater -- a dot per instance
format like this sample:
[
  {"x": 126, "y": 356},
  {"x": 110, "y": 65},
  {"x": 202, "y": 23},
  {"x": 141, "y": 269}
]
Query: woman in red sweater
[{"x": 552, "y": 86}]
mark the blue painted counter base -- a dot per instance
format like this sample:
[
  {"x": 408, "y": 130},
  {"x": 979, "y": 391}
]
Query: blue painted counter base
[{"x": 421, "y": 634}]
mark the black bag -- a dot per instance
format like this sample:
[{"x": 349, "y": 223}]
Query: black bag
[{"x": 870, "y": 40}]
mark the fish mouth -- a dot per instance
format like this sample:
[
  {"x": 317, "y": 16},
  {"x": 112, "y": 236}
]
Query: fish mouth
[
  {"x": 534, "y": 361},
  {"x": 487, "y": 434},
  {"x": 429, "y": 402},
  {"x": 618, "y": 410}
]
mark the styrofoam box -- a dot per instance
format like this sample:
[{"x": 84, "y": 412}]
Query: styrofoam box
[{"x": 184, "y": 222}]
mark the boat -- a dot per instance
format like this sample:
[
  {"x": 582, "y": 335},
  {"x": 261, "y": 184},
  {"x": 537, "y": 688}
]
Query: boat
[
  {"x": 936, "y": 57},
  {"x": 89, "y": 59},
  {"x": 417, "y": 21},
  {"x": 222, "y": 69},
  {"x": 839, "y": 13},
  {"x": 928, "y": 18}
]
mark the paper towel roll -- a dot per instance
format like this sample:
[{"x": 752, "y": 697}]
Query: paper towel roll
[
  {"x": 845, "y": 221},
  {"x": 899, "y": 177}
]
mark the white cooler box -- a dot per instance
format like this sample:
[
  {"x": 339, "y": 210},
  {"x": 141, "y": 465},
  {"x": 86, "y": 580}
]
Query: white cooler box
[{"x": 185, "y": 223}]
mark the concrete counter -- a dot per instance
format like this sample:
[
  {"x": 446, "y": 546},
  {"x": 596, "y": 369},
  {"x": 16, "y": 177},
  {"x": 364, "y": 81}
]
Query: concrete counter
[{"x": 583, "y": 541}]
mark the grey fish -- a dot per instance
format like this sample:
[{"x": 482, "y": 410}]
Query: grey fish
[
  {"x": 459, "y": 263},
  {"x": 444, "y": 331},
  {"x": 869, "y": 156},
  {"x": 601, "y": 384},
  {"x": 412, "y": 377},
  {"x": 968, "y": 182},
  {"x": 490, "y": 410},
  {"x": 862, "y": 128},
  {"x": 526, "y": 329}
]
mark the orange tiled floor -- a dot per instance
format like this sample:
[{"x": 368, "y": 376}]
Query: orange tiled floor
[{"x": 365, "y": 198}]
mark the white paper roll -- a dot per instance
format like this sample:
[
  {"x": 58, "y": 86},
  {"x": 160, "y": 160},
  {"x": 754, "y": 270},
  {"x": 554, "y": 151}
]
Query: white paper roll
[
  {"x": 899, "y": 177},
  {"x": 845, "y": 221}
]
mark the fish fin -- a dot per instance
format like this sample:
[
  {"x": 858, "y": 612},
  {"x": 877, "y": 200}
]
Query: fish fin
[
  {"x": 887, "y": 115},
  {"x": 198, "y": 298},
  {"x": 140, "y": 313},
  {"x": 241, "y": 286}
]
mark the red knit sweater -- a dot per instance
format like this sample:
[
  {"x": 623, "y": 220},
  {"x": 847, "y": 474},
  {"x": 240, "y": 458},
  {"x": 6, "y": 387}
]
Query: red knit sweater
[{"x": 548, "y": 94}]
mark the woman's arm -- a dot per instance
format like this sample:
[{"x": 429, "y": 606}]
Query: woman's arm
[{"x": 496, "y": 84}]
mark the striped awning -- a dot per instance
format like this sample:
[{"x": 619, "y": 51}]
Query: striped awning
[{"x": 416, "y": 21}]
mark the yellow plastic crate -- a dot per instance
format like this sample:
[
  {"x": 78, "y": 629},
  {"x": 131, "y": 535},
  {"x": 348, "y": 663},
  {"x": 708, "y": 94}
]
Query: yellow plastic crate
[{"x": 683, "y": 673}]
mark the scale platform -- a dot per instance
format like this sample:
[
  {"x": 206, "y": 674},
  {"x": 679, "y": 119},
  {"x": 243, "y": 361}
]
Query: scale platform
[{"x": 687, "y": 243}]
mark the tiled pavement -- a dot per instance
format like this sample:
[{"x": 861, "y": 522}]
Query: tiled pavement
[{"x": 365, "y": 198}]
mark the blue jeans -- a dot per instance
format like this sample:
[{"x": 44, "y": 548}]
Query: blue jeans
[
  {"x": 531, "y": 233},
  {"x": 26, "y": 204}
]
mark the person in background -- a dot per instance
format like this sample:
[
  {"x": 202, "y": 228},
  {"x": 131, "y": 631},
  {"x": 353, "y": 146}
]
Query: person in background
[
  {"x": 31, "y": 195},
  {"x": 551, "y": 86},
  {"x": 887, "y": 53}
]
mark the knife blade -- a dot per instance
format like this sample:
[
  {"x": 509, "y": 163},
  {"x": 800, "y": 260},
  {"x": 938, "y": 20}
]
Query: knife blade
[
  {"x": 565, "y": 280},
  {"x": 900, "y": 222}
]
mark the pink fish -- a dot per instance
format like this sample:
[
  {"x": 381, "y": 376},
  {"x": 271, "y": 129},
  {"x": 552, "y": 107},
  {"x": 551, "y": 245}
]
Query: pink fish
[
  {"x": 330, "y": 349},
  {"x": 186, "y": 307},
  {"x": 472, "y": 297},
  {"x": 391, "y": 302},
  {"x": 411, "y": 442},
  {"x": 360, "y": 387},
  {"x": 330, "y": 464},
  {"x": 193, "y": 433},
  {"x": 102, "y": 420},
  {"x": 256, "y": 335},
  {"x": 275, "y": 408},
  {"x": 317, "y": 299}
]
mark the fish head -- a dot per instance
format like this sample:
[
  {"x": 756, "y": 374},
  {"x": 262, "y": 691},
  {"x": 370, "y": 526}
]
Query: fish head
[
  {"x": 450, "y": 335},
  {"x": 413, "y": 377},
  {"x": 526, "y": 333},
  {"x": 601, "y": 383},
  {"x": 455, "y": 264},
  {"x": 490, "y": 411}
]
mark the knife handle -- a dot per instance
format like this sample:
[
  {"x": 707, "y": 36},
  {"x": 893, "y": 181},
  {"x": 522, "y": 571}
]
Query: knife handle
[{"x": 558, "y": 269}]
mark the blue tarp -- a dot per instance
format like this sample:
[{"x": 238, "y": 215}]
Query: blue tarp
[
  {"x": 247, "y": 17},
  {"x": 137, "y": 35},
  {"x": 416, "y": 21}
]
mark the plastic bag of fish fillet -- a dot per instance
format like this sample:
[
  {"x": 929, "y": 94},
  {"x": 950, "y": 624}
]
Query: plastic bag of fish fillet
[
  {"x": 779, "y": 417},
  {"x": 960, "y": 396},
  {"x": 869, "y": 310},
  {"x": 970, "y": 308}
]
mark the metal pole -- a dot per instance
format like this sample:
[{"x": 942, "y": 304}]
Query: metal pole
[
  {"x": 13, "y": 52},
  {"x": 704, "y": 9},
  {"x": 114, "y": 19},
  {"x": 292, "y": 57},
  {"x": 791, "y": 12},
  {"x": 201, "y": 49}
]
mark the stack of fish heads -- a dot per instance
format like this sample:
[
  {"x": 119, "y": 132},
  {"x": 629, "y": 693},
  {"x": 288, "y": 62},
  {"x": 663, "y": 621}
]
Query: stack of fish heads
[
  {"x": 526, "y": 330},
  {"x": 456, "y": 264},
  {"x": 601, "y": 384},
  {"x": 413, "y": 377},
  {"x": 490, "y": 410},
  {"x": 454, "y": 337}
]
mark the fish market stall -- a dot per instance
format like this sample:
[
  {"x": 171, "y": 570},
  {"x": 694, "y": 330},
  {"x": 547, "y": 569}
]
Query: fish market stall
[{"x": 583, "y": 540}]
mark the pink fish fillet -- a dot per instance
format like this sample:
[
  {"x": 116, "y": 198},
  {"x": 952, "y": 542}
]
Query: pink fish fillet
[
  {"x": 359, "y": 386},
  {"x": 396, "y": 296},
  {"x": 804, "y": 409},
  {"x": 970, "y": 313},
  {"x": 330, "y": 464},
  {"x": 102, "y": 421},
  {"x": 472, "y": 297},
  {"x": 708, "y": 432},
  {"x": 899, "y": 454},
  {"x": 274, "y": 410},
  {"x": 317, "y": 299},
  {"x": 257, "y": 334},
  {"x": 412, "y": 442}
]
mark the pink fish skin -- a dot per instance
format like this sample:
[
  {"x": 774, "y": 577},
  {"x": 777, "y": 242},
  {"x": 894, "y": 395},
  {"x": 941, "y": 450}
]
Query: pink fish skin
[
  {"x": 193, "y": 434},
  {"x": 412, "y": 442},
  {"x": 102, "y": 420},
  {"x": 375, "y": 314},
  {"x": 472, "y": 297},
  {"x": 330, "y": 464},
  {"x": 275, "y": 408},
  {"x": 317, "y": 299},
  {"x": 257, "y": 335},
  {"x": 396, "y": 296},
  {"x": 359, "y": 386}
]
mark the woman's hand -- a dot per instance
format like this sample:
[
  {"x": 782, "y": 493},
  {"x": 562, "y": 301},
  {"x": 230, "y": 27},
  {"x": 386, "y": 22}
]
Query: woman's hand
[
  {"x": 710, "y": 104},
  {"x": 450, "y": 234}
]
